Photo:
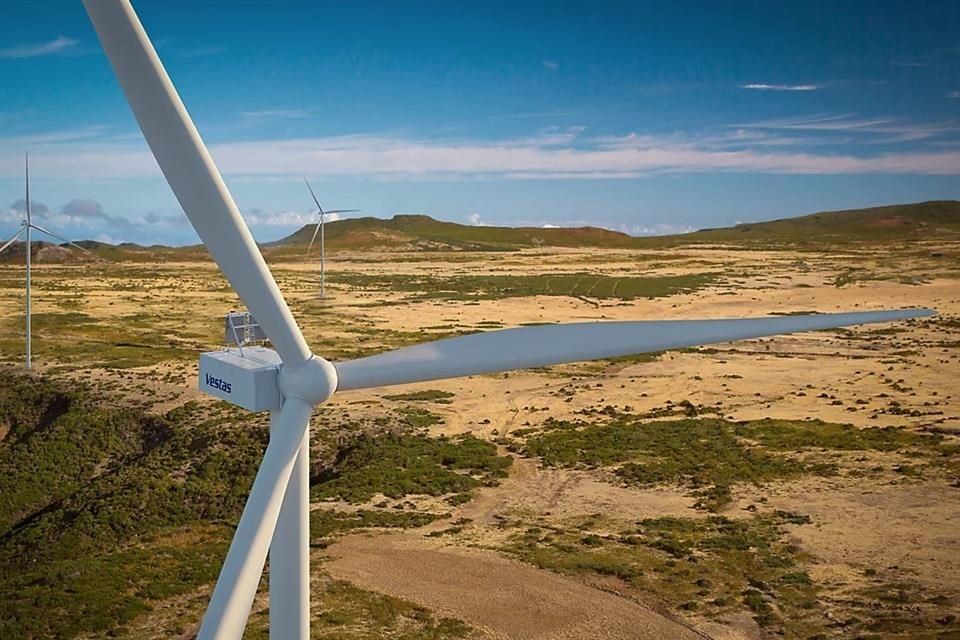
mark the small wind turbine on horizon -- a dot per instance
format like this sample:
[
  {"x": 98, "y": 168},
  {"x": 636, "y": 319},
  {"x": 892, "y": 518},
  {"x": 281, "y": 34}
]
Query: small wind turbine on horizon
[
  {"x": 290, "y": 380},
  {"x": 28, "y": 225},
  {"x": 323, "y": 240}
]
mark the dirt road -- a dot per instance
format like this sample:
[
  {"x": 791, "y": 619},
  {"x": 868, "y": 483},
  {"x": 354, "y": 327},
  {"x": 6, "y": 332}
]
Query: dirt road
[{"x": 501, "y": 598}]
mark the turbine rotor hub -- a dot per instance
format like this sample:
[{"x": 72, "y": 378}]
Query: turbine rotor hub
[{"x": 314, "y": 381}]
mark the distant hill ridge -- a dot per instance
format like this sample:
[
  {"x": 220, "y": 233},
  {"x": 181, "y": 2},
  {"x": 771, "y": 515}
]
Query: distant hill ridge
[
  {"x": 900, "y": 221},
  {"x": 420, "y": 231},
  {"x": 933, "y": 220}
]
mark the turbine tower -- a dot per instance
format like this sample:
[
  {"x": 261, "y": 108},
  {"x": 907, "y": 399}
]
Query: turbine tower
[
  {"x": 290, "y": 380},
  {"x": 323, "y": 240},
  {"x": 28, "y": 225}
]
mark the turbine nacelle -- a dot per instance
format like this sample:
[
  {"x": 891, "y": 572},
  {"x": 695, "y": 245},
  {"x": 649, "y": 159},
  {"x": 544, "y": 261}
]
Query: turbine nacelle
[{"x": 256, "y": 379}]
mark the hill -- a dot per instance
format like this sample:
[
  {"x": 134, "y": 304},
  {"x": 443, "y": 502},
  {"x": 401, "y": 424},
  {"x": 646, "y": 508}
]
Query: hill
[
  {"x": 924, "y": 220},
  {"x": 425, "y": 233},
  {"x": 935, "y": 219},
  {"x": 49, "y": 253}
]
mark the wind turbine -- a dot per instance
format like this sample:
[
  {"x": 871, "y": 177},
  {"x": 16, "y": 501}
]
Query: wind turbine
[
  {"x": 323, "y": 240},
  {"x": 275, "y": 518},
  {"x": 27, "y": 226}
]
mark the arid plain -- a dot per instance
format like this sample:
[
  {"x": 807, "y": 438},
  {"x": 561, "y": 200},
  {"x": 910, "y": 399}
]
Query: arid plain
[{"x": 741, "y": 490}]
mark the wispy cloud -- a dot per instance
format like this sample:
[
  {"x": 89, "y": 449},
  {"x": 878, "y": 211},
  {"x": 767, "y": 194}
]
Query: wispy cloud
[
  {"x": 887, "y": 129},
  {"x": 551, "y": 65},
  {"x": 175, "y": 220},
  {"x": 33, "y": 140},
  {"x": 53, "y": 47},
  {"x": 552, "y": 137},
  {"x": 954, "y": 95},
  {"x": 538, "y": 157},
  {"x": 762, "y": 86},
  {"x": 284, "y": 218}
]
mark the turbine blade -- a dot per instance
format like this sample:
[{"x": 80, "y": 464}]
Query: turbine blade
[
  {"x": 313, "y": 195},
  {"x": 191, "y": 173},
  {"x": 26, "y": 173},
  {"x": 314, "y": 238},
  {"x": 13, "y": 239},
  {"x": 341, "y": 211},
  {"x": 60, "y": 238},
  {"x": 236, "y": 587},
  {"x": 526, "y": 347}
]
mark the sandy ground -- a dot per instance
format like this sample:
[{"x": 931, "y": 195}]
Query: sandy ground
[{"x": 502, "y": 599}]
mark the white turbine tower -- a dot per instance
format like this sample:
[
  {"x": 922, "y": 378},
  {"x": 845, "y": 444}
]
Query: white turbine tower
[
  {"x": 28, "y": 225},
  {"x": 323, "y": 240},
  {"x": 275, "y": 518}
]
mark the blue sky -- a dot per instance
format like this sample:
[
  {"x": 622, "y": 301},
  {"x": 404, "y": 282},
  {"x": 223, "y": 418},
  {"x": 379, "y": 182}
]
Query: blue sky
[{"x": 642, "y": 117}]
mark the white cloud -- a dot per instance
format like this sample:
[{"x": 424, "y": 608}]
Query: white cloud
[
  {"x": 551, "y": 65},
  {"x": 10, "y": 216},
  {"x": 260, "y": 218},
  {"x": 611, "y": 157},
  {"x": 50, "y": 48},
  {"x": 175, "y": 220},
  {"x": 954, "y": 94},
  {"x": 886, "y": 129},
  {"x": 659, "y": 229},
  {"x": 552, "y": 137},
  {"x": 473, "y": 218},
  {"x": 761, "y": 86}
]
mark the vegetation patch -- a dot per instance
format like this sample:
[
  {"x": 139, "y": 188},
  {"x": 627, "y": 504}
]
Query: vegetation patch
[
  {"x": 711, "y": 566},
  {"x": 108, "y": 514},
  {"x": 103, "y": 591},
  {"x": 714, "y": 566},
  {"x": 710, "y": 455},
  {"x": 325, "y": 524},
  {"x": 345, "y": 612},
  {"x": 427, "y": 395},
  {"x": 397, "y": 465},
  {"x": 495, "y": 287}
]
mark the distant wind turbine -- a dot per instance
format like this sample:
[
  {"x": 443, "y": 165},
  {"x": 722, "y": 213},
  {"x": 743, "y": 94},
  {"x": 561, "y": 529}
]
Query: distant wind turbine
[
  {"x": 27, "y": 226},
  {"x": 323, "y": 241}
]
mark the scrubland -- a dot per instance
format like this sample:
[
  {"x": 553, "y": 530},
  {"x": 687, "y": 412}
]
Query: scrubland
[{"x": 801, "y": 486}]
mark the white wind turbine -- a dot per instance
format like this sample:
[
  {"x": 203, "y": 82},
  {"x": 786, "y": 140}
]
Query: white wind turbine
[
  {"x": 323, "y": 240},
  {"x": 275, "y": 518},
  {"x": 27, "y": 226}
]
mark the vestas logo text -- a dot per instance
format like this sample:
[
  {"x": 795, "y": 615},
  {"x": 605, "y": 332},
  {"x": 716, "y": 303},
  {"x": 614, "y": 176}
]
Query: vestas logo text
[{"x": 217, "y": 383}]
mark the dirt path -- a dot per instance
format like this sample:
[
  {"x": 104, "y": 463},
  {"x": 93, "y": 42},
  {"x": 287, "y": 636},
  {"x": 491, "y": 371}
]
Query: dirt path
[
  {"x": 561, "y": 493},
  {"x": 501, "y": 598}
]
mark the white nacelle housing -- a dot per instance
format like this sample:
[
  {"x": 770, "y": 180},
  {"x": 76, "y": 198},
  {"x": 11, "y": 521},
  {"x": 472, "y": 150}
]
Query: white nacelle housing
[{"x": 247, "y": 379}]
